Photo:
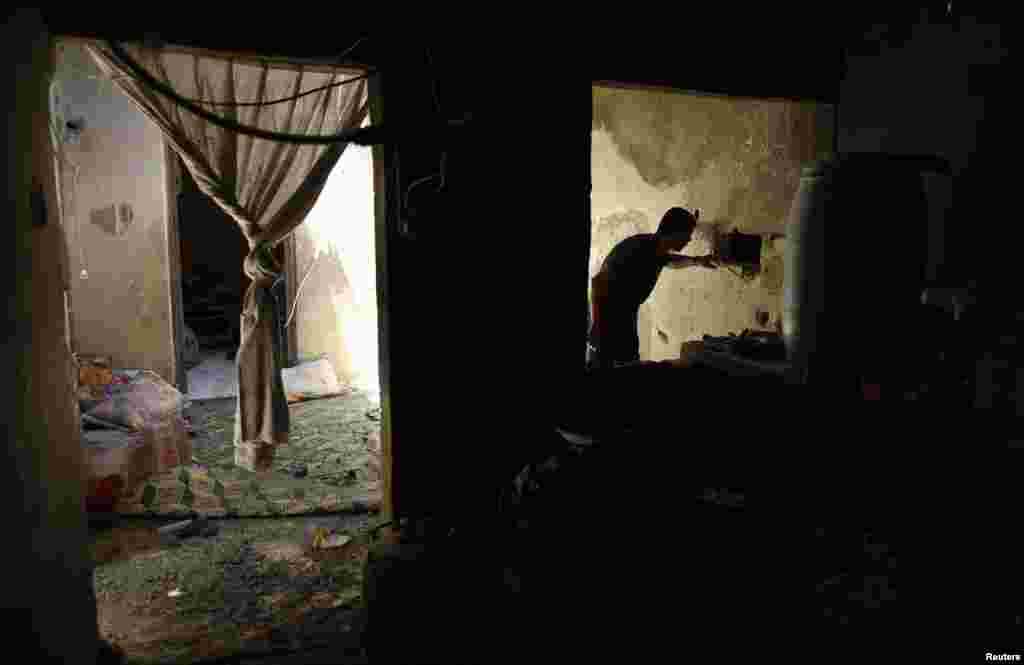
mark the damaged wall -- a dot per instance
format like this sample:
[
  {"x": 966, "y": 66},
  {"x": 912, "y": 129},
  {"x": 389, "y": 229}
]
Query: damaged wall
[
  {"x": 336, "y": 313},
  {"x": 115, "y": 199},
  {"x": 736, "y": 160}
]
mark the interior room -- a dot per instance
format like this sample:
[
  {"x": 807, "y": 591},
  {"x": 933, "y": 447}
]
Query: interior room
[
  {"x": 430, "y": 231},
  {"x": 155, "y": 309},
  {"x": 737, "y": 163}
]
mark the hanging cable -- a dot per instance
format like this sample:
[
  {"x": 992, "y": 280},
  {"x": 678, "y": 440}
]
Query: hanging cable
[
  {"x": 300, "y": 95},
  {"x": 433, "y": 81},
  {"x": 441, "y": 174},
  {"x": 341, "y": 57},
  {"x": 347, "y": 52},
  {"x": 360, "y": 136},
  {"x": 287, "y": 99},
  {"x": 298, "y": 291}
]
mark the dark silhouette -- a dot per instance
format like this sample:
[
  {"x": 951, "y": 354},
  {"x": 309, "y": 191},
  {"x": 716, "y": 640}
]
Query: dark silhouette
[{"x": 626, "y": 279}]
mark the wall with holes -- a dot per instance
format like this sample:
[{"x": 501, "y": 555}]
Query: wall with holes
[
  {"x": 114, "y": 195},
  {"x": 336, "y": 306},
  {"x": 737, "y": 161}
]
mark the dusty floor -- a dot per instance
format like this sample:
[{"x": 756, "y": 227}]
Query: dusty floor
[
  {"x": 323, "y": 469},
  {"x": 253, "y": 587}
]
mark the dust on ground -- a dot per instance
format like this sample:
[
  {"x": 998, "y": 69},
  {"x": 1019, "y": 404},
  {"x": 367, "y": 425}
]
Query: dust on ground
[{"x": 251, "y": 588}]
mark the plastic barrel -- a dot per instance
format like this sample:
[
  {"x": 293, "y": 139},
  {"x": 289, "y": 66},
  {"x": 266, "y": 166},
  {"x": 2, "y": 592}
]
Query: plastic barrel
[
  {"x": 804, "y": 281},
  {"x": 876, "y": 212}
]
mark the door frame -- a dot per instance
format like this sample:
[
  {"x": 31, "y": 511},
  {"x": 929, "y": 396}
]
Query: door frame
[
  {"x": 172, "y": 169},
  {"x": 286, "y": 253}
]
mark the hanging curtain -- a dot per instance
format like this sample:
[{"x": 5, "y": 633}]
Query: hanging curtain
[{"x": 266, "y": 186}]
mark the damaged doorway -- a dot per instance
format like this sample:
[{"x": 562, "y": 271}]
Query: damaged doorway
[
  {"x": 150, "y": 260},
  {"x": 328, "y": 320},
  {"x": 735, "y": 160},
  {"x": 213, "y": 284}
]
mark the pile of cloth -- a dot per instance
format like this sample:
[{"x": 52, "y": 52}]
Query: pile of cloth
[{"x": 133, "y": 427}]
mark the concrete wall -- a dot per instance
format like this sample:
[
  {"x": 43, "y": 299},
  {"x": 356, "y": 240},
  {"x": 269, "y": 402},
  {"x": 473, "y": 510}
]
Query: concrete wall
[
  {"x": 48, "y": 604},
  {"x": 736, "y": 160},
  {"x": 337, "y": 307},
  {"x": 116, "y": 210}
]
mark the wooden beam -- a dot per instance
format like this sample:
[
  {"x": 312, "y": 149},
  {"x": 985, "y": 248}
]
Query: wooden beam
[{"x": 381, "y": 164}]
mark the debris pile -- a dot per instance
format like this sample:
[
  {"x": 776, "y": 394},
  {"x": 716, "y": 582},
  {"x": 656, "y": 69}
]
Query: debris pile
[
  {"x": 133, "y": 427},
  {"x": 310, "y": 380}
]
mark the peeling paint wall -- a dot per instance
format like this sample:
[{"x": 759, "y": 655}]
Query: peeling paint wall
[
  {"x": 337, "y": 307},
  {"x": 115, "y": 206},
  {"x": 738, "y": 161}
]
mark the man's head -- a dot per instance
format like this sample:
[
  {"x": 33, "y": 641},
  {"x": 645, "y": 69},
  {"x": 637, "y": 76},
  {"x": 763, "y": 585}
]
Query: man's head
[{"x": 676, "y": 229}]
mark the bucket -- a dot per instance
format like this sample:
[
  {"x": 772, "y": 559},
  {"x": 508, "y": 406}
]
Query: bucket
[{"x": 741, "y": 249}]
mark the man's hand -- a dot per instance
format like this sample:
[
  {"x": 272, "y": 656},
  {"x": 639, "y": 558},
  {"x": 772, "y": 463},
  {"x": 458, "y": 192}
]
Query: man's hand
[
  {"x": 707, "y": 261},
  {"x": 679, "y": 261}
]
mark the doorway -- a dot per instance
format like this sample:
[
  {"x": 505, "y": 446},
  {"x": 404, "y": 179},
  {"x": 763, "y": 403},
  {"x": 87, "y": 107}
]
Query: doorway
[
  {"x": 153, "y": 253},
  {"x": 212, "y": 250},
  {"x": 736, "y": 161}
]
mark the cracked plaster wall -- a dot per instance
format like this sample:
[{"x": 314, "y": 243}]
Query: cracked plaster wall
[
  {"x": 336, "y": 313},
  {"x": 115, "y": 214},
  {"x": 738, "y": 161}
]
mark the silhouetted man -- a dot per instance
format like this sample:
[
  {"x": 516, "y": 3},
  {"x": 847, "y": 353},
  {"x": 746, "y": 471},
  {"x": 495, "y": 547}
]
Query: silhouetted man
[{"x": 627, "y": 278}]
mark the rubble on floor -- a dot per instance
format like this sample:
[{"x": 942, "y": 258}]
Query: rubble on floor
[
  {"x": 331, "y": 464},
  {"x": 132, "y": 428},
  {"x": 151, "y": 452},
  {"x": 310, "y": 380},
  {"x": 252, "y": 587}
]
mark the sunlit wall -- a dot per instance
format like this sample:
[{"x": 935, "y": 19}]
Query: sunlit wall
[{"x": 336, "y": 312}]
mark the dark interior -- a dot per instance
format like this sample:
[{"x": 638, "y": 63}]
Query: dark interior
[{"x": 212, "y": 281}]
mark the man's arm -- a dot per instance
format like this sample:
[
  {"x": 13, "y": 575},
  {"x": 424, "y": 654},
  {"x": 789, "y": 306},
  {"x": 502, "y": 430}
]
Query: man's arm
[{"x": 678, "y": 261}]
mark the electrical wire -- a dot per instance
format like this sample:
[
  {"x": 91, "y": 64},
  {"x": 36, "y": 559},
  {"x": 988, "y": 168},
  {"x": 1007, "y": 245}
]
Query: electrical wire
[
  {"x": 360, "y": 136},
  {"x": 347, "y": 52},
  {"x": 441, "y": 174},
  {"x": 300, "y": 95},
  {"x": 298, "y": 291},
  {"x": 424, "y": 179},
  {"x": 434, "y": 85},
  {"x": 286, "y": 99}
]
